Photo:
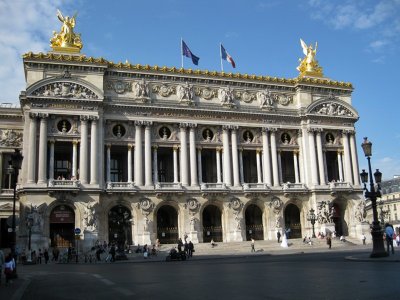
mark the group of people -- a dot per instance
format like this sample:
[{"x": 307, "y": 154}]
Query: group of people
[{"x": 187, "y": 247}]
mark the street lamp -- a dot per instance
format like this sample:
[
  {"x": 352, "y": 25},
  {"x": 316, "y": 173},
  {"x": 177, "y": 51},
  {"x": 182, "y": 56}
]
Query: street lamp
[
  {"x": 312, "y": 217},
  {"x": 15, "y": 165},
  {"x": 378, "y": 249}
]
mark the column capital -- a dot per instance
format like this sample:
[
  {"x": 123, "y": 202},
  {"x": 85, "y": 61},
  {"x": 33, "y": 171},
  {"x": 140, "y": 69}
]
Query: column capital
[
  {"x": 139, "y": 123},
  {"x": 258, "y": 150},
  {"x": 175, "y": 147},
  {"x": 94, "y": 118},
  {"x": 271, "y": 129},
  {"x": 318, "y": 130},
  {"x": 296, "y": 151},
  {"x": 51, "y": 141},
  {"x": 155, "y": 147},
  {"x": 187, "y": 125},
  {"x": 348, "y": 131},
  {"x": 75, "y": 142},
  {"x": 199, "y": 148},
  {"x": 33, "y": 115},
  {"x": 108, "y": 145},
  {"x": 231, "y": 127},
  {"x": 84, "y": 118},
  {"x": 218, "y": 149},
  {"x": 147, "y": 123},
  {"x": 43, "y": 116},
  {"x": 130, "y": 146}
]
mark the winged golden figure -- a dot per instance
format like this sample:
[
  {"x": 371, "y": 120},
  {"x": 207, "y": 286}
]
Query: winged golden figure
[
  {"x": 66, "y": 40},
  {"x": 309, "y": 65}
]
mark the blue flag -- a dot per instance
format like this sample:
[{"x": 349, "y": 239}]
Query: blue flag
[{"x": 186, "y": 52}]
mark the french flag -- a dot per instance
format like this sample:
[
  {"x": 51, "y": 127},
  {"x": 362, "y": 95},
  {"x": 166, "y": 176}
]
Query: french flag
[{"x": 225, "y": 56}]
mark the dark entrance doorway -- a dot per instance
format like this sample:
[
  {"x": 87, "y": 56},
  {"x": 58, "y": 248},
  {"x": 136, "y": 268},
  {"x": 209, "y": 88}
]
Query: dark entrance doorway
[
  {"x": 212, "y": 228},
  {"x": 119, "y": 226},
  {"x": 338, "y": 219},
  {"x": 62, "y": 225},
  {"x": 254, "y": 224},
  {"x": 167, "y": 225},
  {"x": 292, "y": 221}
]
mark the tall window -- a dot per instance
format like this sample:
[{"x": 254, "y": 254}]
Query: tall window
[
  {"x": 115, "y": 171},
  {"x": 62, "y": 169}
]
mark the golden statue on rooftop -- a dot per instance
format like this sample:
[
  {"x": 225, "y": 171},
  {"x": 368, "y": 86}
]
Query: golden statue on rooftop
[
  {"x": 66, "y": 40},
  {"x": 309, "y": 65}
]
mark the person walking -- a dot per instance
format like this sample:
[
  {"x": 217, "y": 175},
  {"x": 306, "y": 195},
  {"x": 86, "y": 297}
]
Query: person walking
[
  {"x": 40, "y": 255},
  {"x": 253, "y": 249},
  {"x": 389, "y": 237},
  {"x": 112, "y": 252},
  {"x": 9, "y": 266},
  {"x": 278, "y": 236},
  {"x": 363, "y": 238},
  {"x": 329, "y": 240},
  {"x": 46, "y": 256},
  {"x": 191, "y": 248}
]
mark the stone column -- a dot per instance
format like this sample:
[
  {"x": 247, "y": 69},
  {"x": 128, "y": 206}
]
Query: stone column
[
  {"x": 340, "y": 164},
  {"x": 184, "y": 156},
  {"x": 32, "y": 148},
  {"x": 138, "y": 160},
  {"x": 235, "y": 159},
  {"x": 348, "y": 176},
  {"x": 83, "y": 157},
  {"x": 313, "y": 158},
  {"x": 94, "y": 157},
  {"x": 199, "y": 167},
  {"x": 321, "y": 166},
  {"x": 51, "y": 160},
  {"x": 227, "y": 172},
  {"x": 296, "y": 166},
  {"x": 147, "y": 155},
  {"x": 175, "y": 158},
  {"x": 241, "y": 165},
  {"x": 192, "y": 151},
  {"x": 280, "y": 165},
  {"x": 75, "y": 159},
  {"x": 267, "y": 157},
  {"x": 129, "y": 162},
  {"x": 354, "y": 158},
  {"x": 42, "y": 174},
  {"x": 258, "y": 161},
  {"x": 218, "y": 159},
  {"x": 108, "y": 163},
  {"x": 155, "y": 164},
  {"x": 274, "y": 158}
]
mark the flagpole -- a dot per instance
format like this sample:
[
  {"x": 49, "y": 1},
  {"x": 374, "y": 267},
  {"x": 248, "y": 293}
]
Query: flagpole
[
  {"x": 220, "y": 56},
  {"x": 181, "y": 53}
]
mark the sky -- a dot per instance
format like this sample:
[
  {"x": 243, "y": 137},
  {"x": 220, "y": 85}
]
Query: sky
[{"x": 358, "y": 42}]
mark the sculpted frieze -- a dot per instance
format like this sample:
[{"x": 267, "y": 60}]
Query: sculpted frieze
[
  {"x": 141, "y": 90},
  {"x": 164, "y": 90},
  {"x": 185, "y": 93},
  {"x": 65, "y": 90},
  {"x": 332, "y": 109},
  {"x": 11, "y": 138},
  {"x": 226, "y": 97},
  {"x": 120, "y": 87}
]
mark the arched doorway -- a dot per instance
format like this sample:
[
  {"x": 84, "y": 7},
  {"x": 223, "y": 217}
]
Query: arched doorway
[
  {"x": 167, "y": 225},
  {"x": 212, "y": 228},
  {"x": 292, "y": 221},
  {"x": 254, "y": 224},
  {"x": 119, "y": 226},
  {"x": 62, "y": 225},
  {"x": 338, "y": 219}
]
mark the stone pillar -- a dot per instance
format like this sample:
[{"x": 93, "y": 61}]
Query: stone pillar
[
  {"x": 218, "y": 159},
  {"x": 348, "y": 176},
  {"x": 75, "y": 159},
  {"x": 147, "y": 155},
  {"x": 321, "y": 166},
  {"x": 184, "y": 156},
  {"x": 129, "y": 162},
  {"x": 32, "y": 148},
  {"x": 192, "y": 151},
  {"x": 138, "y": 160},
  {"x": 51, "y": 160},
  {"x": 313, "y": 159},
  {"x": 227, "y": 172},
  {"x": 258, "y": 161},
  {"x": 108, "y": 163},
  {"x": 83, "y": 157},
  {"x": 199, "y": 167},
  {"x": 340, "y": 165},
  {"x": 296, "y": 166},
  {"x": 274, "y": 158},
  {"x": 42, "y": 174},
  {"x": 94, "y": 152},
  {"x": 354, "y": 158},
  {"x": 235, "y": 159},
  {"x": 175, "y": 159},
  {"x": 280, "y": 165},
  {"x": 241, "y": 165},
  {"x": 267, "y": 157},
  {"x": 155, "y": 164}
]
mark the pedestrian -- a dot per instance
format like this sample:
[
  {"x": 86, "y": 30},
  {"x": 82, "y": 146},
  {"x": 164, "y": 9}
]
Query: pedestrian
[
  {"x": 253, "y": 249},
  {"x": 56, "y": 253},
  {"x": 2, "y": 261},
  {"x": 389, "y": 237},
  {"x": 180, "y": 244},
  {"x": 40, "y": 255},
  {"x": 363, "y": 238},
  {"x": 329, "y": 240},
  {"x": 112, "y": 252},
  {"x": 191, "y": 248},
  {"x": 278, "y": 236},
  {"x": 46, "y": 256},
  {"x": 9, "y": 266}
]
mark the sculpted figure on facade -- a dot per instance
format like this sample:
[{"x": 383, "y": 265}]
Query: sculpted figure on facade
[
  {"x": 65, "y": 90},
  {"x": 309, "y": 65},
  {"x": 141, "y": 90},
  {"x": 66, "y": 38},
  {"x": 90, "y": 218},
  {"x": 360, "y": 211},
  {"x": 37, "y": 219},
  {"x": 276, "y": 205},
  {"x": 11, "y": 138},
  {"x": 325, "y": 212},
  {"x": 225, "y": 96},
  {"x": 264, "y": 99},
  {"x": 185, "y": 93}
]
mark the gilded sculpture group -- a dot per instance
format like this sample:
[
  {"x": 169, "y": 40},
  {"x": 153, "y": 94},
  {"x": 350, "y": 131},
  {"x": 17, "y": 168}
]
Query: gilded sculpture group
[{"x": 69, "y": 41}]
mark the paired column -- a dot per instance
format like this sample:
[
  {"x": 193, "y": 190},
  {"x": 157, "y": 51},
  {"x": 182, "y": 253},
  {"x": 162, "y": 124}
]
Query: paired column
[
  {"x": 138, "y": 154},
  {"x": 235, "y": 158},
  {"x": 175, "y": 161},
  {"x": 83, "y": 170},
  {"x": 108, "y": 163},
  {"x": 147, "y": 154},
  {"x": 313, "y": 158},
  {"x": 227, "y": 171},
  {"x": 94, "y": 157},
  {"x": 74, "y": 159},
  {"x": 32, "y": 148},
  {"x": 241, "y": 173},
  {"x": 354, "y": 158},
  {"x": 155, "y": 164},
  {"x": 347, "y": 160},
  {"x": 130, "y": 162},
  {"x": 267, "y": 157},
  {"x": 199, "y": 167},
  {"x": 296, "y": 166},
  {"x": 258, "y": 161},
  {"x": 42, "y": 174},
  {"x": 340, "y": 165},
  {"x": 184, "y": 156},
  {"x": 321, "y": 165},
  {"x": 192, "y": 151},
  {"x": 51, "y": 161},
  {"x": 218, "y": 159},
  {"x": 274, "y": 157}
]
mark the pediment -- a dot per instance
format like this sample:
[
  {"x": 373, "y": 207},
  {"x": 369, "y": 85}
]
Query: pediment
[{"x": 332, "y": 106}]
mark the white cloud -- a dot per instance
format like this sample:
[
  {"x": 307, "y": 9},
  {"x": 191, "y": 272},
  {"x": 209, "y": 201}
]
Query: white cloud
[{"x": 25, "y": 26}]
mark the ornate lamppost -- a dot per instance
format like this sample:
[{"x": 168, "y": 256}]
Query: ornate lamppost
[
  {"x": 15, "y": 165},
  {"x": 312, "y": 218},
  {"x": 378, "y": 249}
]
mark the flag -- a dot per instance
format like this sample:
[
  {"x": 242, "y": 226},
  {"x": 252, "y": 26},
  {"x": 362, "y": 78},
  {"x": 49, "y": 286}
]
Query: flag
[
  {"x": 186, "y": 52},
  {"x": 225, "y": 56}
]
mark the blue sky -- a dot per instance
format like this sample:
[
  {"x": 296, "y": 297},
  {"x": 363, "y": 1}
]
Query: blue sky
[{"x": 358, "y": 42}]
